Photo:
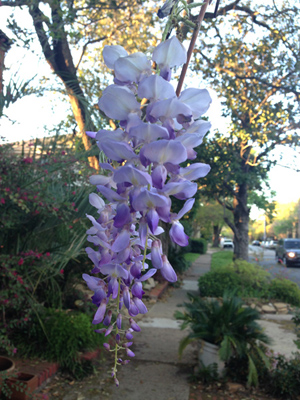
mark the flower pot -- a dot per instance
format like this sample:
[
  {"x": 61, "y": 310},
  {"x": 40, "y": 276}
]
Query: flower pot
[
  {"x": 209, "y": 354},
  {"x": 22, "y": 386},
  {"x": 6, "y": 367}
]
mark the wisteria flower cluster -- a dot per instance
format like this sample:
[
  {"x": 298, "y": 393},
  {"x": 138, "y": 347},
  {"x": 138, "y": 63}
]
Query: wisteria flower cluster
[{"x": 157, "y": 132}]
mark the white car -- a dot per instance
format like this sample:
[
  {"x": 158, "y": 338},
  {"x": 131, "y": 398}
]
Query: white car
[{"x": 226, "y": 243}]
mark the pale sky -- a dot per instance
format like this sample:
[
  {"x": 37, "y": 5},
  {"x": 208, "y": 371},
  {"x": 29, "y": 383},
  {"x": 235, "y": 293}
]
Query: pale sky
[{"x": 31, "y": 114}]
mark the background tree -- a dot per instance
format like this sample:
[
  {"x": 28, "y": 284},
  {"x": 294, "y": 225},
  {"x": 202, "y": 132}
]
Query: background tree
[
  {"x": 209, "y": 219},
  {"x": 252, "y": 60},
  {"x": 65, "y": 28},
  {"x": 286, "y": 222}
]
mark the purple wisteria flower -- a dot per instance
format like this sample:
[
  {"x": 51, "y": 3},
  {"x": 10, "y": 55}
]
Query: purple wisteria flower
[{"x": 158, "y": 131}]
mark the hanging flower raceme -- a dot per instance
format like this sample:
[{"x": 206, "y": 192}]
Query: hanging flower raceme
[{"x": 158, "y": 131}]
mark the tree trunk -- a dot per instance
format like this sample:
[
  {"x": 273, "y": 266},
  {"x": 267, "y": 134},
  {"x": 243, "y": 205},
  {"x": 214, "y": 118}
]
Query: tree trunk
[
  {"x": 216, "y": 234},
  {"x": 59, "y": 57},
  {"x": 240, "y": 226}
]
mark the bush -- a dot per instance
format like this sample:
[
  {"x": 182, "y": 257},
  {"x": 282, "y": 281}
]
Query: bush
[
  {"x": 214, "y": 283},
  {"x": 178, "y": 261},
  {"x": 43, "y": 201},
  {"x": 284, "y": 380},
  {"x": 198, "y": 246},
  {"x": 246, "y": 279},
  {"x": 59, "y": 336},
  {"x": 284, "y": 290}
]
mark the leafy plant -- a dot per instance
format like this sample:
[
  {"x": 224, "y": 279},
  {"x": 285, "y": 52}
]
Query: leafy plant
[
  {"x": 285, "y": 290},
  {"x": 43, "y": 201},
  {"x": 60, "y": 337},
  {"x": 198, "y": 246},
  {"x": 284, "y": 380},
  {"x": 228, "y": 325}
]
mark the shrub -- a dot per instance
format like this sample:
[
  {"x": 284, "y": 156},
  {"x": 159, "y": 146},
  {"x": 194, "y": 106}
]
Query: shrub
[
  {"x": 284, "y": 290},
  {"x": 178, "y": 261},
  {"x": 198, "y": 246},
  {"x": 59, "y": 336},
  {"x": 284, "y": 380},
  {"x": 43, "y": 201},
  {"x": 246, "y": 279},
  {"x": 214, "y": 283}
]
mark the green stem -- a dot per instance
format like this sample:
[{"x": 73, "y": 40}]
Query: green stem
[{"x": 117, "y": 329}]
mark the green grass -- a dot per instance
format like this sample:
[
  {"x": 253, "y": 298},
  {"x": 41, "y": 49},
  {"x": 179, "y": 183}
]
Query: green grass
[
  {"x": 221, "y": 259},
  {"x": 191, "y": 257}
]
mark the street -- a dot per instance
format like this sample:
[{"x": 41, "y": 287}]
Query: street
[{"x": 266, "y": 259}]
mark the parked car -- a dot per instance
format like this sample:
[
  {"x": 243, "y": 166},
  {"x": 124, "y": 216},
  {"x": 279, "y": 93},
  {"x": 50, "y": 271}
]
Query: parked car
[
  {"x": 226, "y": 243},
  {"x": 256, "y": 243},
  {"x": 288, "y": 252},
  {"x": 272, "y": 244}
]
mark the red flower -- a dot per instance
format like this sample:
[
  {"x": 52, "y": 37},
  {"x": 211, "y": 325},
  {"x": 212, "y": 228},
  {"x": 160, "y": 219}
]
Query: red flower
[
  {"x": 2, "y": 201},
  {"x": 47, "y": 254},
  {"x": 61, "y": 271},
  {"x": 21, "y": 261},
  {"x": 28, "y": 160}
]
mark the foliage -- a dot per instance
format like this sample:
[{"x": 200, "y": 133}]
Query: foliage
[
  {"x": 76, "y": 28},
  {"x": 228, "y": 325},
  {"x": 214, "y": 283},
  {"x": 285, "y": 290},
  {"x": 296, "y": 320},
  {"x": 284, "y": 380},
  {"x": 61, "y": 337},
  {"x": 207, "y": 374},
  {"x": 198, "y": 246},
  {"x": 43, "y": 201},
  {"x": 257, "y": 80},
  {"x": 247, "y": 279},
  {"x": 286, "y": 219},
  {"x": 178, "y": 260},
  {"x": 209, "y": 216}
]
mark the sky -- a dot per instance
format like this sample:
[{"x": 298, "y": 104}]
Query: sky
[{"x": 28, "y": 117}]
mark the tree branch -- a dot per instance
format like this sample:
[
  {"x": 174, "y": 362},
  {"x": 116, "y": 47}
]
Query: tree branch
[{"x": 85, "y": 47}]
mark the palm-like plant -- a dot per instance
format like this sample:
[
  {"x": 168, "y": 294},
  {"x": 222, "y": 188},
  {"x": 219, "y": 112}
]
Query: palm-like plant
[{"x": 229, "y": 325}]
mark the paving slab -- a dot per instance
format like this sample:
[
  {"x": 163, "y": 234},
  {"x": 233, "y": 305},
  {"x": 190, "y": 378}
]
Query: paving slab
[
  {"x": 161, "y": 344},
  {"x": 151, "y": 380}
]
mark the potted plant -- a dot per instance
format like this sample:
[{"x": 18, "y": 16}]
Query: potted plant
[{"x": 226, "y": 329}]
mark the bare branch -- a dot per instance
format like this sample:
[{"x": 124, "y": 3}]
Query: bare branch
[{"x": 85, "y": 47}]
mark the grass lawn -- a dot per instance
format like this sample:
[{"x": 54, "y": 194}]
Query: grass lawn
[
  {"x": 221, "y": 259},
  {"x": 191, "y": 257}
]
